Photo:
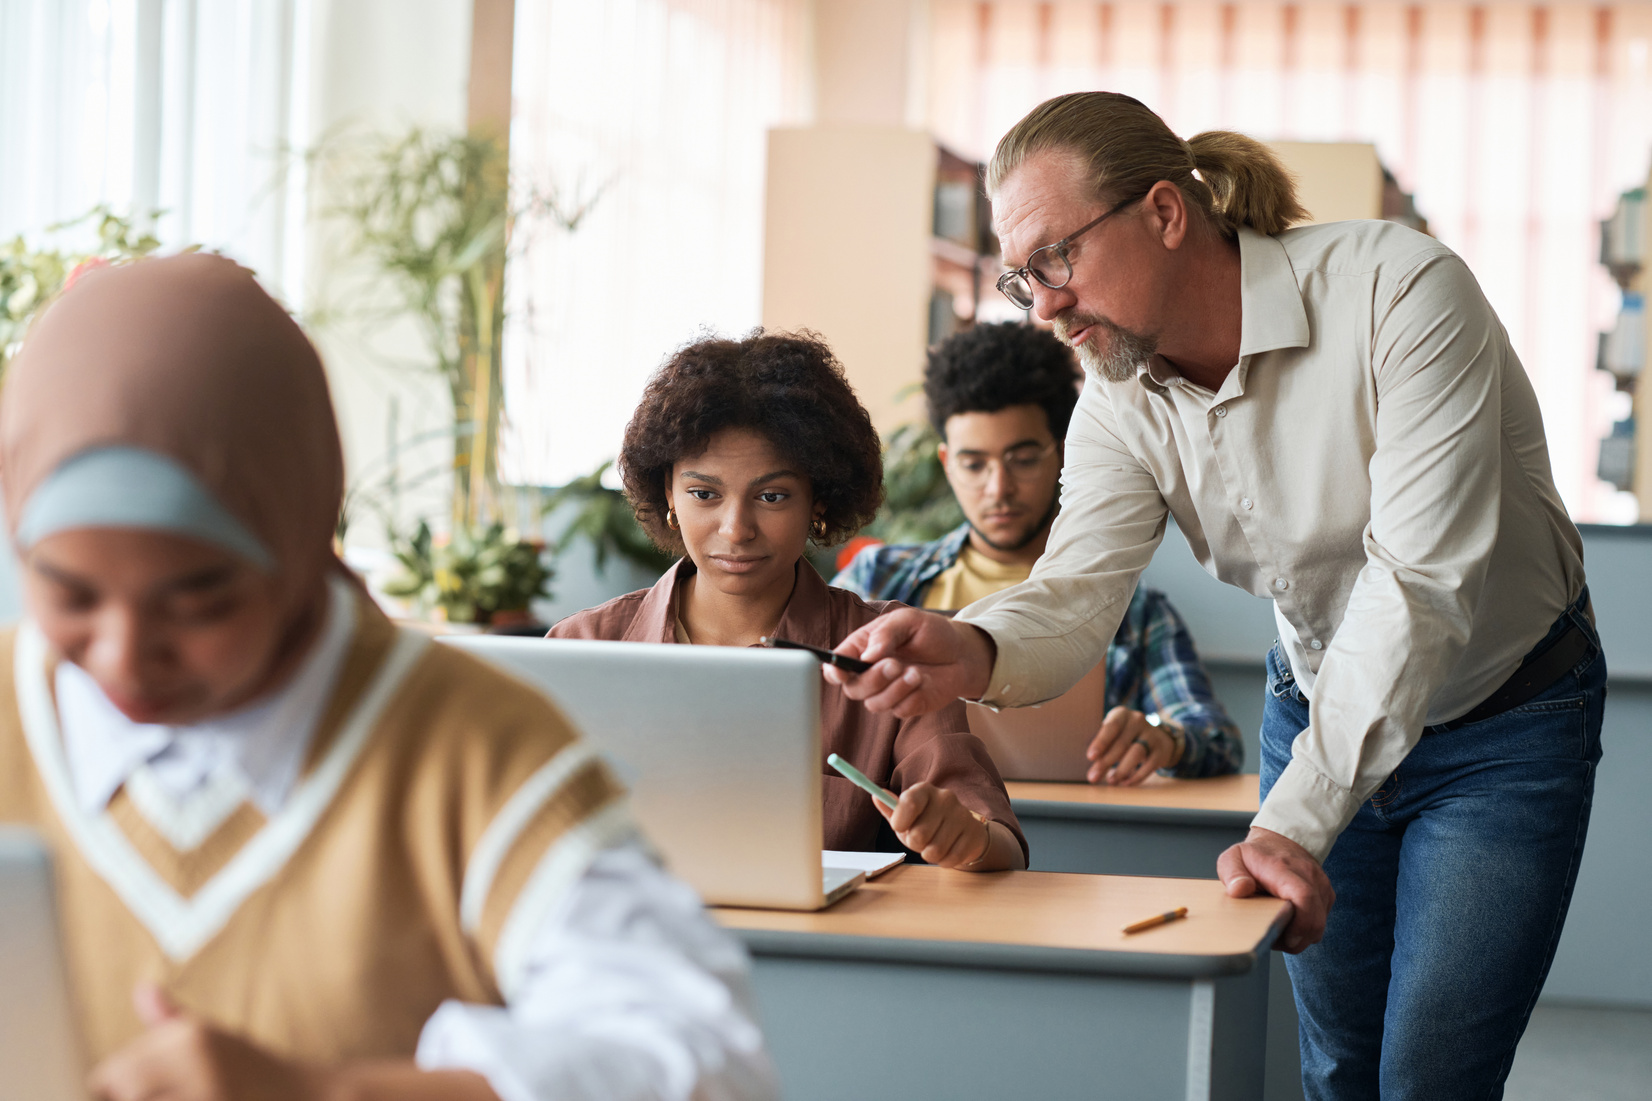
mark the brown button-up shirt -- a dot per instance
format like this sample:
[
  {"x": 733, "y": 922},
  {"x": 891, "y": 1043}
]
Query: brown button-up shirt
[{"x": 896, "y": 753}]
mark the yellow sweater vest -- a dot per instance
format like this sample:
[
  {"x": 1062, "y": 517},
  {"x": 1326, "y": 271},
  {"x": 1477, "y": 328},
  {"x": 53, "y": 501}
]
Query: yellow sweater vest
[{"x": 442, "y": 811}]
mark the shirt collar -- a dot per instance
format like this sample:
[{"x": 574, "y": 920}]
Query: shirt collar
[
  {"x": 655, "y": 619},
  {"x": 936, "y": 557},
  {"x": 806, "y": 618},
  {"x": 264, "y": 743},
  {"x": 808, "y": 614},
  {"x": 1272, "y": 315}
]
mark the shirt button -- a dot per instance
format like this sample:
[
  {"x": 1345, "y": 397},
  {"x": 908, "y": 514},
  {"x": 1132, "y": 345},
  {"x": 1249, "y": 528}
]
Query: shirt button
[
  {"x": 1281, "y": 584},
  {"x": 1245, "y": 502},
  {"x": 1316, "y": 645},
  {"x": 1221, "y": 410}
]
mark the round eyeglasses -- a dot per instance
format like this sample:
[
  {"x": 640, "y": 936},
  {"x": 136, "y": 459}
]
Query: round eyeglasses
[
  {"x": 1049, "y": 265},
  {"x": 1022, "y": 463}
]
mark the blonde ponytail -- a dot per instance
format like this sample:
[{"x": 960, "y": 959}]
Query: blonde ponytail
[
  {"x": 1230, "y": 179},
  {"x": 1248, "y": 183}
]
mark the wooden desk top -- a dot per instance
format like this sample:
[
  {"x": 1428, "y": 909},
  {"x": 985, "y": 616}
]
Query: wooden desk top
[
  {"x": 1040, "y": 920},
  {"x": 1227, "y": 799}
]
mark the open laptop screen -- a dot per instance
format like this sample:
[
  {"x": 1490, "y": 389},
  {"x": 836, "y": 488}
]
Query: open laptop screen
[{"x": 719, "y": 746}]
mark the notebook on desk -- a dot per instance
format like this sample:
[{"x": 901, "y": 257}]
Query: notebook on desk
[
  {"x": 720, "y": 748},
  {"x": 1045, "y": 742}
]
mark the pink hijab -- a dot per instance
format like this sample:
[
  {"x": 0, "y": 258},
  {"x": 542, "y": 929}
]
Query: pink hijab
[{"x": 188, "y": 358}]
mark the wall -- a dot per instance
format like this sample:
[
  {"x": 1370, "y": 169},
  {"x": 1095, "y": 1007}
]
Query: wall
[
  {"x": 846, "y": 252},
  {"x": 1601, "y": 957},
  {"x": 849, "y": 203}
]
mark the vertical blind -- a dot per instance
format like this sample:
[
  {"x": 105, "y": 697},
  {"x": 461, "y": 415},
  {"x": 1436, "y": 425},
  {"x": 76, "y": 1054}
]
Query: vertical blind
[
  {"x": 656, "y": 113},
  {"x": 190, "y": 107},
  {"x": 1515, "y": 125}
]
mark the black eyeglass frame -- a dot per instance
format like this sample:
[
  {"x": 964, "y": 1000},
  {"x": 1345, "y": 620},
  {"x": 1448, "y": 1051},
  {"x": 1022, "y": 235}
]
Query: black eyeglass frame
[{"x": 1059, "y": 248}]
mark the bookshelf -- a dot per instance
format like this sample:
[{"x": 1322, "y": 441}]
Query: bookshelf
[
  {"x": 1338, "y": 181},
  {"x": 1625, "y": 244},
  {"x": 881, "y": 241}
]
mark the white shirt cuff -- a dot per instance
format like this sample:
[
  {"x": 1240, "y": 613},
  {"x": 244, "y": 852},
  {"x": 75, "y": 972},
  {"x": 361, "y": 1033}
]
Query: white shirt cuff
[
  {"x": 629, "y": 993},
  {"x": 1307, "y": 808}
]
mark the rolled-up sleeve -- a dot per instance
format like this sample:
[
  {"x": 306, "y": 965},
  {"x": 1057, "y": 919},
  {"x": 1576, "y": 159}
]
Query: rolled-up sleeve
[
  {"x": 630, "y": 993},
  {"x": 939, "y": 749},
  {"x": 1175, "y": 686},
  {"x": 1438, "y": 358},
  {"x": 1054, "y": 627}
]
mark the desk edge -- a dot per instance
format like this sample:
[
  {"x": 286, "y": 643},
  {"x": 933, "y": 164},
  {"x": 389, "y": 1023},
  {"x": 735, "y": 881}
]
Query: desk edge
[
  {"x": 1127, "y": 812},
  {"x": 1003, "y": 957}
]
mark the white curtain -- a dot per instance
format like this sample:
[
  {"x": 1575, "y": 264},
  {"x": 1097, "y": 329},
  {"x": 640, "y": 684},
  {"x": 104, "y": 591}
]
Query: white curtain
[
  {"x": 191, "y": 107},
  {"x": 659, "y": 110},
  {"x": 1514, "y": 124}
]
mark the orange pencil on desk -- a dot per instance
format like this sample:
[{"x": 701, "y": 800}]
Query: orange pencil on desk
[{"x": 1157, "y": 919}]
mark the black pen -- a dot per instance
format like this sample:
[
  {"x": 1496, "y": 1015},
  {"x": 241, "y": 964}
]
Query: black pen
[{"x": 830, "y": 657}]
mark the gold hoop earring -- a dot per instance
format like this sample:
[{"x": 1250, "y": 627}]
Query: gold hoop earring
[
  {"x": 818, "y": 529},
  {"x": 671, "y": 518}
]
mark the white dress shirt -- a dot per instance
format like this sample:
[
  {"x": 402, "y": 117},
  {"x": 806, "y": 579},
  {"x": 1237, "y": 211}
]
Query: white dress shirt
[
  {"x": 1374, "y": 464},
  {"x": 630, "y": 993}
]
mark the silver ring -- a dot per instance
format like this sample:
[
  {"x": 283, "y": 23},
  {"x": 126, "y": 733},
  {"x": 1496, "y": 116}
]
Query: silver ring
[{"x": 1145, "y": 748}]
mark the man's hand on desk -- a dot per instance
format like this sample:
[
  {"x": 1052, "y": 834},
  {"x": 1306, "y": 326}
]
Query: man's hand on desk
[
  {"x": 1274, "y": 864},
  {"x": 1128, "y": 749},
  {"x": 922, "y": 662},
  {"x": 182, "y": 1058}
]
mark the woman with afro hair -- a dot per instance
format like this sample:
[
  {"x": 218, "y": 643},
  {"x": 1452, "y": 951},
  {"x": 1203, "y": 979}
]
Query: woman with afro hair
[{"x": 740, "y": 454}]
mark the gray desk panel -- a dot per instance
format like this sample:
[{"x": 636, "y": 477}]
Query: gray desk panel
[
  {"x": 1182, "y": 844},
  {"x": 871, "y": 1029},
  {"x": 1098, "y": 846}
]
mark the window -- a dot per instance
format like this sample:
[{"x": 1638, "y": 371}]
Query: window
[
  {"x": 659, "y": 109},
  {"x": 184, "y": 106}
]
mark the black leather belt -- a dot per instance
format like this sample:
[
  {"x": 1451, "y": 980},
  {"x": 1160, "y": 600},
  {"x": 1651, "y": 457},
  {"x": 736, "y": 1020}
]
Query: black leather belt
[{"x": 1535, "y": 674}]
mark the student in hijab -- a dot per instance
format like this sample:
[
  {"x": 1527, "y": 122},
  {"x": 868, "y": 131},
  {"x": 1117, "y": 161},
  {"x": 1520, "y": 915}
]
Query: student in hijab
[
  {"x": 300, "y": 853},
  {"x": 739, "y": 454}
]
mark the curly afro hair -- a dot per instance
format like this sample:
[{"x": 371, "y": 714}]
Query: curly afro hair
[
  {"x": 991, "y": 367},
  {"x": 787, "y": 387}
]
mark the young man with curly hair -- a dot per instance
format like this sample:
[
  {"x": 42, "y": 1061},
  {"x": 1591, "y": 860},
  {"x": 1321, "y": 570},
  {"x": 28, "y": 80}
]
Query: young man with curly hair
[
  {"x": 1000, "y": 396},
  {"x": 740, "y": 453}
]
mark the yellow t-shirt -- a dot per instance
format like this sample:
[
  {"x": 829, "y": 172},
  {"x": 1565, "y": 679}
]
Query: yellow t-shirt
[{"x": 970, "y": 578}]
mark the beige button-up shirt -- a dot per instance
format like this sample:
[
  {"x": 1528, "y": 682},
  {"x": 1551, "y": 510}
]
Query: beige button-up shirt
[{"x": 1374, "y": 464}]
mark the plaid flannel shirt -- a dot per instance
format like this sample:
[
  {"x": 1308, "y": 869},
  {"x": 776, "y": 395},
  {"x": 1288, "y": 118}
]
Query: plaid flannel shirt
[{"x": 1152, "y": 666}]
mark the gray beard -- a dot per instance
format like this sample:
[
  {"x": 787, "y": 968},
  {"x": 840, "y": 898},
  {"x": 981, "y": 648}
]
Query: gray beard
[{"x": 1125, "y": 352}]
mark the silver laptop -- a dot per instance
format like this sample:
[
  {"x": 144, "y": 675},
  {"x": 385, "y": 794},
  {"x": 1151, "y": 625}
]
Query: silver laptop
[
  {"x": 1047, "y": 741},
  {"x": 40, "y": 1053},
  {"x": 719, "y": 747}
]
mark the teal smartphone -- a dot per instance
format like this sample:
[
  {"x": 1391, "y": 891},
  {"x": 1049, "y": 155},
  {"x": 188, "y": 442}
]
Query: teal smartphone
[{"x": 858, "y": 778}]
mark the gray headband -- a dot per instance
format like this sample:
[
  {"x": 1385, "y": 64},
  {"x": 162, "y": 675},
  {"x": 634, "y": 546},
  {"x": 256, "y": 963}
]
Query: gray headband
[{"x": 127, "y": 487}]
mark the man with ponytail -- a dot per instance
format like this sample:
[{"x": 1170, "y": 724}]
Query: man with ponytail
[{"x": 1336, "y": 420}]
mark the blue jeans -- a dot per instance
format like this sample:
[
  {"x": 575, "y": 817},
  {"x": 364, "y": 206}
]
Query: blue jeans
[{"x": 1452, "y": 885}]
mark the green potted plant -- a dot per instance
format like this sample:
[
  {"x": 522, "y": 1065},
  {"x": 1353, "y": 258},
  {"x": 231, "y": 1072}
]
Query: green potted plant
[
  {"x": 489, "y": 578},
  {"x": 918, "y": 504},
  {"x": 603, "y": 516},
  {"x": 431, "y": 211},
  {"x": 31, "y": 276}
]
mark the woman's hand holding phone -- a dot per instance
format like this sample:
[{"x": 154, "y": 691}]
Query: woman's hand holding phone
[{"x": 934, "y": 824}]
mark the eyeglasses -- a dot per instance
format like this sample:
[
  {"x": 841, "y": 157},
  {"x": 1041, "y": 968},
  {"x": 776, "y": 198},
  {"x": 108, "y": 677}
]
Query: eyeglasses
[
  {"x": 1049, "y": 265},
  {"x": 972, "y": 469}
]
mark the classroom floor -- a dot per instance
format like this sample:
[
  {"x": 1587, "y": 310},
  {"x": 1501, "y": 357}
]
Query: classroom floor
[{"x": 1579, "y": 1053}]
